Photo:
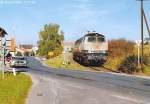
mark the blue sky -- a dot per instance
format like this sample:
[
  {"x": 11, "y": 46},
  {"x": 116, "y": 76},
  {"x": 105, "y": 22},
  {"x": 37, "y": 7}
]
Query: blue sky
[{"x": 113, "y": 18}]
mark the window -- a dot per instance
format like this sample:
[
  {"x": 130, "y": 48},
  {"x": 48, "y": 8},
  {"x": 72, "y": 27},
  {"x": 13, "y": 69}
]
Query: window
[
  {"x": 91, "y": 39},
  {"x": 18, "y": 58},
  {"x": 100, "y": 39},
  {"x": 95, "y": 39}
]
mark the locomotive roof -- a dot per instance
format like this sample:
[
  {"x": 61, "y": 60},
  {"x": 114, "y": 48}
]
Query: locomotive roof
[
  {"x": 94, "y": 34},
  {"x": 90, "y": 34}
]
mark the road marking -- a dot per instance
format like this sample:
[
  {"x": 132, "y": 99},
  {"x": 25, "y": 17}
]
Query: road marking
[
  {"x": 39, "y": 94},
  {"x": 129, "y": 99},
  {"x": 54, "y": 91}
]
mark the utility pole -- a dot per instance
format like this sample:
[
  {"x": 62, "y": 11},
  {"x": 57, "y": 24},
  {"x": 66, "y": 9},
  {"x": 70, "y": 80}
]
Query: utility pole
[
  {"x": 142, "y": 38},
  {"x": 143, "y": 17}
]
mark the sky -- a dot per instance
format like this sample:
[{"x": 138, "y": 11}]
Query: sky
[{"x": 23, "y": 19}]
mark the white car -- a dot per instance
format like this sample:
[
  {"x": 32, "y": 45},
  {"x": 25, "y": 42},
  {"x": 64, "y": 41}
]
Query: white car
[{"x": 18, "y": 61}]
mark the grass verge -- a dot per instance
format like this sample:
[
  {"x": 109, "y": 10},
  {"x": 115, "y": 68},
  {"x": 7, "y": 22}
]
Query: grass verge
[
  {"x": 113, "y": 63},
  {"x": 14, "y": 89},
  {"x": 57, "y": 62},
  {"x": 147, "y": 71}
]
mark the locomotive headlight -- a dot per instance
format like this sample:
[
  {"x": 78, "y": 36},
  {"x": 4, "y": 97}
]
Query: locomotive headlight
[
  {"x": 89, "y": 51},
  {"x": 103, "y": 52},
  {"x": 25, "y": 62},
  {"x": 13, "y": 62}
]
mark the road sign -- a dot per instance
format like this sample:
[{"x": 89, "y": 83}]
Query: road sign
[
  {"x": 14, "y": 71},
  {"x": 138, "y": 42},
  {"x": 2, "y": 35},
  {"x": 50, "y": 54}
]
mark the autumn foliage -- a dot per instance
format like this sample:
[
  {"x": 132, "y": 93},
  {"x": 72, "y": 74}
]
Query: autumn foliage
[{"x": 120, "y": 48}]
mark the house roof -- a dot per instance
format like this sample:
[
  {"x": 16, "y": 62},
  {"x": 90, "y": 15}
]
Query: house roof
[
  {"x": 94, "y": 34},
  {"x": 26, "y": 46},
  {"x": 68, "y": 43}
]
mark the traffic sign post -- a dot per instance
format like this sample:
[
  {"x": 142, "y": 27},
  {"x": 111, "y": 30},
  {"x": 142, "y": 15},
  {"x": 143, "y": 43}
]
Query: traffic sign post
[
  {"x": 3, "y": 47},
  {"x": 138, "y": 42},
  {"x": 14, "y": 71}
]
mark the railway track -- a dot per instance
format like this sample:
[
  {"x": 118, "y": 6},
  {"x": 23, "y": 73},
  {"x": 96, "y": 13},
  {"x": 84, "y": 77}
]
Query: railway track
[{"x": 103, "y": 68}]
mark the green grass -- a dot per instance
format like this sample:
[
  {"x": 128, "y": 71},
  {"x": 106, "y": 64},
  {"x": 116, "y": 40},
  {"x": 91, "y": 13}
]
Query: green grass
[
  {"x": 14, "y": 89},
  {"x": 147, "y": 71},
  {"x": 147, "y": 53},
  {"x": 57, "y": 62},
  {"x": 113, "y": 63}
]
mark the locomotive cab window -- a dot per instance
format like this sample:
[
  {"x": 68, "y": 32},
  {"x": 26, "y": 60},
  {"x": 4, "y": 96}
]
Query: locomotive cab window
[
  {"x": 91, "y": 39},
  {"x": 95, "y": 39},
  {"x": 100, "y": 39}
]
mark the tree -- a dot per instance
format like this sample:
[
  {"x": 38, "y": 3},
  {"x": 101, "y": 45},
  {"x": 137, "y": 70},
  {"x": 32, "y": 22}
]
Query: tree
[
  {"x": 50, "y": 39},
  {"x": 120, "y": 48},
  {"x": 32, "y": 53},
  {"x": 18, "y": 53}
]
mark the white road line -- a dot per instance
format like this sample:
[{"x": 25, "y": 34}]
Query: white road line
[
  {"x": 53, "y": 89},
  {"x": 129, "y": 99}
]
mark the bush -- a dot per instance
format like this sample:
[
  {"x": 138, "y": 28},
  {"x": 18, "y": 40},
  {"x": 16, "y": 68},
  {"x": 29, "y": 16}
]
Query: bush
[
  {"x": 33, "y": 53},
  {"x": 18, "y": 53},
  {"x": 145, "y": 60},
  {"x": 118, "y": 51},
  {"x": 130, "y": 64},
  {"x": 123, "y": 56},
  {"x": 120, "y": 48}
]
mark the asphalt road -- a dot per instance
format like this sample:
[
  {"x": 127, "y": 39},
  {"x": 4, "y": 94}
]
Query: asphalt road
[{"x": 58, "y": 86}]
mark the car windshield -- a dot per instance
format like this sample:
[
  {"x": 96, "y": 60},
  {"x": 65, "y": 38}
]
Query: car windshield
[{"x": 18, "y": 58}]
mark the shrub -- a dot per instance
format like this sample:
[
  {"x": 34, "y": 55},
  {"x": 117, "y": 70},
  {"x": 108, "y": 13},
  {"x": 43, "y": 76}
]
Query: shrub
[
  {"x": 118, "y": 51},
  {"x": 130, "y": 64},
  {"x": 18, "y": 53},
  {"x": 120, "y": 48}
]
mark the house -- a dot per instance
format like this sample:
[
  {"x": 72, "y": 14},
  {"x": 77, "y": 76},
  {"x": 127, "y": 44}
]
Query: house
[
  {"x": 68, "y": 46},
  {"x": 25, "y": 49}
]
